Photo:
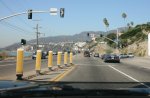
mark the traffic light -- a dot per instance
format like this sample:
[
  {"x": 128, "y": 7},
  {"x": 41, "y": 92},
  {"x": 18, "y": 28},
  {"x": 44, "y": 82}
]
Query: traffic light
[
  {"x": 23, "y": 41},
  {"x": 62, "y": 12},
  {"x": 101, "y": 35},
  {"x": 29, "y": 14}
]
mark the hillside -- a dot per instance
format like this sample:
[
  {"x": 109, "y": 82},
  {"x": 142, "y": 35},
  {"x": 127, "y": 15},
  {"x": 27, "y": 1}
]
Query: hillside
[
  {"x": 67, "y": 38},
  {"x": 62, "y": 38},
  {"x": 134, "y": 40}
]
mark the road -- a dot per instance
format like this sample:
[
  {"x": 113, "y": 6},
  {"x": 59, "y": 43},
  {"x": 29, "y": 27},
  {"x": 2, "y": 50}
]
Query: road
[
  {"x": 92, "y": 72},
  {"x": 127, "y": 74},
  {"x": 8, "y": 68}
]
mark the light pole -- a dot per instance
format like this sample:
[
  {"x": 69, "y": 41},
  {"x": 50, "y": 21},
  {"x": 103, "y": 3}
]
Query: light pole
[{"x": 117, "y": 40}]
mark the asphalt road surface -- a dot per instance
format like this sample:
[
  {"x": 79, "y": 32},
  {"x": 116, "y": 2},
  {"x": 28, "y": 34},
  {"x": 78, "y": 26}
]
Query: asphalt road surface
[
  {"x": 8, "y": 68},
  {"x": 91, "y": 72}
]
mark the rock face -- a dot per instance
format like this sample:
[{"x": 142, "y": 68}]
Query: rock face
[{"x": 139, "y": 49}]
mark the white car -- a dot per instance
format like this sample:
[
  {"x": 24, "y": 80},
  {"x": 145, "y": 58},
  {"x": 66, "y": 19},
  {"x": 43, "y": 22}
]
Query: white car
[{"x": 130, "y": 55}]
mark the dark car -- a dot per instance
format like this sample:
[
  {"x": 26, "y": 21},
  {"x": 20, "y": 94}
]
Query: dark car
[
  {"x": 86, "y": 54},
  {"x": 44, "y": 55},
  {"x": 96, "y": 55},
  {"x": 111, "y": 58}
]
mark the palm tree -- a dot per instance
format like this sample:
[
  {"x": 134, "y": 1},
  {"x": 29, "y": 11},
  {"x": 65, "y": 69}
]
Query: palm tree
[
  {"x": 128, "y": 25},
  {"x": 132, "y": 23},
  {"x": 106, "y": 23},
  {"x": 124, "y": 16}
]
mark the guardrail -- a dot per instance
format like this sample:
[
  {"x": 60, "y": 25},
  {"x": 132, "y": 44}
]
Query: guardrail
[{"x": 20, "y": 61}]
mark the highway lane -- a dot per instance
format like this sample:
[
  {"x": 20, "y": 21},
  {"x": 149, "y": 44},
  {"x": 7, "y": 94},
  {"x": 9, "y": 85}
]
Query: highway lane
[
  {"x": 107, "y": 75},
  {"x": 94, "y": 73},
  {"x": 8, "y": 69}
]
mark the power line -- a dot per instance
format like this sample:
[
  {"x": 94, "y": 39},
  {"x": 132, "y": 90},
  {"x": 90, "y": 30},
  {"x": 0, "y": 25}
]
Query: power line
[
  {"x": 10, "y": 10},
  {"x": 14, "y": 27}
]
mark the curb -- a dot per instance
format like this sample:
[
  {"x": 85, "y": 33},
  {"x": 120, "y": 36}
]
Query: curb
[{"x": 45, "y": 72}]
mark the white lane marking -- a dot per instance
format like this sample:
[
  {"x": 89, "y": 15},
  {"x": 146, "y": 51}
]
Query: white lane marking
[{"x": 128, "y": 76}]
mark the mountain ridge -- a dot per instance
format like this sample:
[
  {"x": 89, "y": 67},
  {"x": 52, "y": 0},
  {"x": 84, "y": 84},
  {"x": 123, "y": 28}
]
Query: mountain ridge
[{"x": 62, "y": 38}]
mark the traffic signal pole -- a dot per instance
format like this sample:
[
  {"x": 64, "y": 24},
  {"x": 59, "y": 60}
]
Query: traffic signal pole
[
  {"x": 27, "y": 12},
  {"x": 18, "y": 14}
]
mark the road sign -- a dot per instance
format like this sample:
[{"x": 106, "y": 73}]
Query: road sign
[{"x": 53, "y": 11}]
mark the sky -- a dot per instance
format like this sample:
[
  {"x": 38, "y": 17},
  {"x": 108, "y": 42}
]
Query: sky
[{"x": 80, "y": 15}]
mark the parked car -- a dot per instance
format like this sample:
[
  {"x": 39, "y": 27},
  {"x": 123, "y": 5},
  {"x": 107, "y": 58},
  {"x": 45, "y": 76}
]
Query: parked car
[
  {"x": 130, "y": 55},
  {"x": 44, "y": 55},
  {"x": 86, "y": 54},
  {"x": 111, "y": 58},
  {"x": 96, "y": 54}
]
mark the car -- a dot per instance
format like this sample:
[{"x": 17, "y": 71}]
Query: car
[
  {"x": 111, "y": 58},
  {"x": 96, "y": 55},
  {"x": 130, "y": 55},
  {"x": 44, "y": 55},
  {"x": 86, "y": 54},
  {"x": 54, "y": 53},
  {"x": 121, "y": 56}
]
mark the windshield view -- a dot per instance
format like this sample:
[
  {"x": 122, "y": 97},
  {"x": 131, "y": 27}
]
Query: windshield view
[{"x": 74, "y": 47}]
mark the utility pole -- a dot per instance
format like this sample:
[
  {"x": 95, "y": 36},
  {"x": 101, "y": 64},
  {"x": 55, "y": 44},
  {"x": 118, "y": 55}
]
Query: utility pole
[
  {"x": 117, "y": 37},
  {"x": 37, "y": 36}
]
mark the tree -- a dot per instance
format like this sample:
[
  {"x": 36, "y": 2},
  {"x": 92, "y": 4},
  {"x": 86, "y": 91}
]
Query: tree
[
  {"x": 105, "y": 21},
  {"x": 132, "y": 23},
  {"x": 124, "y": 16},
  {"x": 128, "y": 25}
]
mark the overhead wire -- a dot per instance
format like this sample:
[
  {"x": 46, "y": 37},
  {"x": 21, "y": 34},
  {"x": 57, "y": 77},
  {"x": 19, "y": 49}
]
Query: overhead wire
[
  {"x": 14, "y": 27},
  {"x": 10, "y": 10}
]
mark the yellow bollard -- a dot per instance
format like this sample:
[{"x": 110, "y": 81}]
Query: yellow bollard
[
  {"x": 50, "y": 60},
  {"x": 38, "y": 62},
  {"x": 19, "y": 64},
  {"x": 59, "y": 59},
  {"x": 65, "y": 58},
  {"x": 71, "y": 58}
]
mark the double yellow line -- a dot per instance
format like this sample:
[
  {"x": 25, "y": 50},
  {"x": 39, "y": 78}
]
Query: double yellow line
[{"x": 62, "y": 75}]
